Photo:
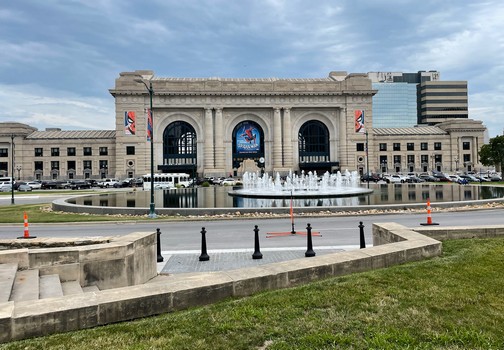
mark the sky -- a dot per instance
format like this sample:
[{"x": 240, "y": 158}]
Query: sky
[{"x": 59, "y": 58}]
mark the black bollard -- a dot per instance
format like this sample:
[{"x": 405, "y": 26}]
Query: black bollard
[
  {"x": 362, "y": 239},
  {"x": 159, "y": 256},
  {"x": 204, "y": 256},
  {"x": 257, "y": 252},
  {"x": 309, "y": 252}
]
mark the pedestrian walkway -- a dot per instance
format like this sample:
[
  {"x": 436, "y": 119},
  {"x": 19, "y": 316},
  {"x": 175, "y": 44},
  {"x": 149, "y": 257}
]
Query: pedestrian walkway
[{"x": 224, "y": 260}]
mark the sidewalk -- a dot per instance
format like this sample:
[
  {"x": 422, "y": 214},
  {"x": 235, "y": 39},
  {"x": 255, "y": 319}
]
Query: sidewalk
[{"x": 224, "y": 260}]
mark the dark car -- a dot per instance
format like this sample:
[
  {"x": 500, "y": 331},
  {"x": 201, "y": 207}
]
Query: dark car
[
  {"x": 79, "y": 185},
  {"x": 370, "y": 177},
  {"x": 123, "y": 183},
  {"x": 49, "y": 185},
  {"x": 429, "y": 178}
]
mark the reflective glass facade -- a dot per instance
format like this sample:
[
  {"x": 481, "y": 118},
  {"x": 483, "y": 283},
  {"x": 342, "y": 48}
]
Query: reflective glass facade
[{"x": 394, "y": 105}]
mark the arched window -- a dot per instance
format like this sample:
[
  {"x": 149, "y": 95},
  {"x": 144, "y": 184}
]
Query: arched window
[
  {"x": 179, "y": 148},
  {"x": 313, "y": 143}
]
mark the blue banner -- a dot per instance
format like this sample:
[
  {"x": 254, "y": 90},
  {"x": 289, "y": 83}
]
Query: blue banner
[{"x": 248, "y": 138}]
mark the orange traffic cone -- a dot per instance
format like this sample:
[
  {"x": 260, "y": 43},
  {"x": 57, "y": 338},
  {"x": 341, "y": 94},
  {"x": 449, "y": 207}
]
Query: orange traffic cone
[
  {"x": 26, "y": 229},
  {"x": 429, "y": 217}
]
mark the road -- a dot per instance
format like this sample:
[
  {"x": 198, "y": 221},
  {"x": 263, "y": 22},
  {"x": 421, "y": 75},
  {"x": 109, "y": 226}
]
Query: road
[{"x": 179, "y": 236}]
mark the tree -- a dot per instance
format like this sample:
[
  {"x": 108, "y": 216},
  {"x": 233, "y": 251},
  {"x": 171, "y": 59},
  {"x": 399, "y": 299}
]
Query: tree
[{"x": 493, "y": 153}]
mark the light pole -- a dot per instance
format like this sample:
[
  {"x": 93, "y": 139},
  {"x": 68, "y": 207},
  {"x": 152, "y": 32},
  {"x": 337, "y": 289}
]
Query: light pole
[
  {"x": 18, "y": 168},
  {"x": 12, "y": 168},
  {"x": 152, "y": 211},
  {"x": 367, "y": 159}
]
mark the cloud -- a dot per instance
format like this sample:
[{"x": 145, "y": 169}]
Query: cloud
[{"x": 41, "y": 108}]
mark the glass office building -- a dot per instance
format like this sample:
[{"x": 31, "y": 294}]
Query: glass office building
[{"x": 395, "y": 105}]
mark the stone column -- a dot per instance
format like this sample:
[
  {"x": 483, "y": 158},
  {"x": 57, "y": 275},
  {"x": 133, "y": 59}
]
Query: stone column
[
  {"x": 219, "y": 142},
  {"x": 287, "y": 144},
  {"x": 209, "y": 141},
  {"x": 277, "y": 139},
  {"x": 343, "y": 151}
]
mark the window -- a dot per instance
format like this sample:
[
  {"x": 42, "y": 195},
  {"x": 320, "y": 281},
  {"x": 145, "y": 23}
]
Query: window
[
  {"x": 130, "y": 150},
  {"x": 360, "y": 147},
  {"x": 410, "y": 146},
  {"x": 39, "y": 152},
  {"x": 467, "y": 158},
  {"x": 55, "y": 152},
  {"x": 71, "y": 151},
  {"x": 466, "y": 146},
  {"x": 88, "y": 151},
  {"x": 54, "y": 165},
  {"x": 383, "y": 146},
  {"x": 3, "y": 166},
  {"x": 437, "y": 146},
  {"x": 103, "y": 151},
  {"x": 424, "y": 146},
  {"x": 397, "y": 146},
  {"x": 39, "y": 165},
  {"x": 71, "y": 165},
  {"x": 86, "y": 164},
  {"x": 4, "y": 152}
]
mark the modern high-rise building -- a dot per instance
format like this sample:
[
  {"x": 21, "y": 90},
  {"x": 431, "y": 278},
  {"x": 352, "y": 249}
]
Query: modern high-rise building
[
  {"x": 407, "y": 99},
  {"x": 439, "y": 101}
]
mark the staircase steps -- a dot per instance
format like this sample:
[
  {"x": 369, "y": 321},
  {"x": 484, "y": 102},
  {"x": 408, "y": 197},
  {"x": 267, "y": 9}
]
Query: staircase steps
[
  {"x": 26, "y": 286},
  {"x": 50, "y": 287},
  {"x": 7, "y": 277},
  {"x": 71, "y": 288}
]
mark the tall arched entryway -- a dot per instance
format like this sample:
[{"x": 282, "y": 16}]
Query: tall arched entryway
[
  {"x": 179, "y": 149},
  {"x": 313, "y": 143},
  {"x": 248, "y": 143}
]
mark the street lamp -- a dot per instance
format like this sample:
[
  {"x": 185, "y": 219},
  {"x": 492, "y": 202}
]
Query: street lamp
[
  {"x": 12, "y": 168},
  {"x": 18, "y": 168},
  {"x": 367, "y": 159},
  {"x": 152, "y": 212}
]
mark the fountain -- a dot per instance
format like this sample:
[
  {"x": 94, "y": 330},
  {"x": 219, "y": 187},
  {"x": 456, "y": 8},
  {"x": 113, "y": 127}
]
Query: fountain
[{"x": 301, "y": 186}]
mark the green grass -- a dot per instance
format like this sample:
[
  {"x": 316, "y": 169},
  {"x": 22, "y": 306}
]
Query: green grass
[
  {"x": 451, "y": 302},
  {"x": 39, "y": 213}
]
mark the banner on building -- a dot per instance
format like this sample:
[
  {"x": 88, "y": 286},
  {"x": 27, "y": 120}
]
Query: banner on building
[
  {"x": 359, "y": 121},
  {"x": 129, "y": 123},
  {"x": 248, "y": 139},
  {"x": 149, "y": 124}
]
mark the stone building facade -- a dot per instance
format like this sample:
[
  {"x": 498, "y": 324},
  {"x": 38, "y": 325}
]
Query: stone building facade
[{"x": 214, "y": 126}]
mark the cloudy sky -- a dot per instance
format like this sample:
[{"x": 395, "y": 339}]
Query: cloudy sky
[{"x": 59, "y": 58}]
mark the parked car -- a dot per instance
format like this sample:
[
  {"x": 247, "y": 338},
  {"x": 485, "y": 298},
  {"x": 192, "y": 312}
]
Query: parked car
[
  {"x": 414, "y": 179},
  {"x": 79, "y": 185},
  {"x": 63, "y": 185},
  {"x": 5, "y": 187},
  {"x": 35, "y": 185},
  {"x": 395, "y": 179},
  {"x": 123, "y": 183},
  {"x": 24, "y": 188},
  {"x": 370, "y": 177},
  {"x": 106, "y": 183},
  {"x": 49, "y": 185},
  {"x": 228, "y": 182},
  {"x": 469, "y": 178},
  {"x": 429, "y": 178}
]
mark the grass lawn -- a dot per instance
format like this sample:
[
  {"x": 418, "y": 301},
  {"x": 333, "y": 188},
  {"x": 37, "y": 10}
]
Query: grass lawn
[{"x": 452, "y": 302}]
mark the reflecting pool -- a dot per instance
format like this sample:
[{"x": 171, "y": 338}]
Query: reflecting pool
[{"x": 218, "y": 197}]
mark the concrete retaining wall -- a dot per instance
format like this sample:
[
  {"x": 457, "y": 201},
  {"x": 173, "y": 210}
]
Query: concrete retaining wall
[
  {"x": 124, "y": 261},
  {"x": 396, "y": 244}
]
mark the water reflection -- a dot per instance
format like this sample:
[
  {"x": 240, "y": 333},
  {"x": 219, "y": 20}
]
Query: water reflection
[{"x": 217, "y": 197}]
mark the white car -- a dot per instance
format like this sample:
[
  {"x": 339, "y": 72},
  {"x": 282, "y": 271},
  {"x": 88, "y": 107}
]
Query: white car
[
  {"x": 228, "y": 182},
  {"x": 395, "y": 179},
  {"x": 106, "y": 183},
  {"x": 34, "y": 185}
]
